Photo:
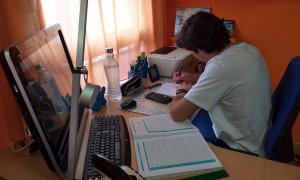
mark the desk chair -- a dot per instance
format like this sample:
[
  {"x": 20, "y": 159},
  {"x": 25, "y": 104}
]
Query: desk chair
[{"x": 286, "y": 103}]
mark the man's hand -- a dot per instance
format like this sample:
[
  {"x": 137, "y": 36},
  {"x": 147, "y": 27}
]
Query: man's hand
[
  {"x": 184, "y": 76},
  {"x": 184, "y": 85}
]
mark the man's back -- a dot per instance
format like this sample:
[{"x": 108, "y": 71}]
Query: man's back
[{"x": 235, "y": 89}]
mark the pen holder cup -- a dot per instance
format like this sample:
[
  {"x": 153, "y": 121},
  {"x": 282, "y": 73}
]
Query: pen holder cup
[{"x": 144, "y": 70}]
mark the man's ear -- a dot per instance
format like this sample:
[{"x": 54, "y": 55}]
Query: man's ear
[{"x": 199, "y": 53}]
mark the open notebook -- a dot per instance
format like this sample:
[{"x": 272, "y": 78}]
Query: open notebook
[{"x": 165, "y": 148}]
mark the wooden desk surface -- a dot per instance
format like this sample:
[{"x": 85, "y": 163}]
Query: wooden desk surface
[{"x": 238, "y": 165}]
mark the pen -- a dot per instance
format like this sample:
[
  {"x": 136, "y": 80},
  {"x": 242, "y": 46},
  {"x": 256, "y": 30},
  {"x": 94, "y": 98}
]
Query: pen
[
  {"x": 179, "y": 73},
  {"x": 153, "y": 85}
]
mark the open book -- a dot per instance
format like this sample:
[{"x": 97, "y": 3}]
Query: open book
[{"x": 166, "y": 148}]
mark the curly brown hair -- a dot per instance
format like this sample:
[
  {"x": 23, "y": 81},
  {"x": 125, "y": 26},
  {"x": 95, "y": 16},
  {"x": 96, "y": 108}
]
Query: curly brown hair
[{"x": 203, "y": 31}]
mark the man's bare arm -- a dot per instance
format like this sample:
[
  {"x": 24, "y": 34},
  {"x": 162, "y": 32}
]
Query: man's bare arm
[{"x": 181, "y": 108}]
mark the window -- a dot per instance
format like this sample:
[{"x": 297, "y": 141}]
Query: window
[{"x": 119, "y": 24}]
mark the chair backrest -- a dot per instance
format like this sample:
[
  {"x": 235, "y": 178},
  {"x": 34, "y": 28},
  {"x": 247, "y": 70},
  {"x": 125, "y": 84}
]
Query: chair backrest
[{"x": 285, "y": 103}]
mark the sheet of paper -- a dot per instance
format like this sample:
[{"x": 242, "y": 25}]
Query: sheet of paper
[{"x": 167, "y": 88}]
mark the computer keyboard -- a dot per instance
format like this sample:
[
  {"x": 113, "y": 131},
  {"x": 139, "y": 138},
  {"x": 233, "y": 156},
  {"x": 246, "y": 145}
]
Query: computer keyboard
[{"x": 108, "y": 137}]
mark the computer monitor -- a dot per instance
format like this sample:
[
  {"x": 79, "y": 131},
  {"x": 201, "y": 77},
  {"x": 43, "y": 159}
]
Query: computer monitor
[{"x": 39, "y": 69}]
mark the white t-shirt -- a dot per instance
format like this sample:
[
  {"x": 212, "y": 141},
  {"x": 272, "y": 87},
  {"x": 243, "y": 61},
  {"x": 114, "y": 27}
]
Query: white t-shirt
[{"x": 235, "y": 89}]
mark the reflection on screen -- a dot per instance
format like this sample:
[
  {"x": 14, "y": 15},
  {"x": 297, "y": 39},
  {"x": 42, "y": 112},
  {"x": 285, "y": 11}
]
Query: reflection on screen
[{"x": 47, "y": 79}]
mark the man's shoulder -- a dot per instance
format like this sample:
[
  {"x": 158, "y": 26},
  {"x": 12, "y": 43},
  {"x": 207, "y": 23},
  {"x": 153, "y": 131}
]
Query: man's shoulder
[
  {"x": 244, "y": 47},
  {"x": 238, "y": 54}
]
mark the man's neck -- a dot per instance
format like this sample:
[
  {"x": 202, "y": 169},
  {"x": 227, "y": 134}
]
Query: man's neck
[
  {"x": 213, "y": 54},
  {"x": 210, "y": 56}
]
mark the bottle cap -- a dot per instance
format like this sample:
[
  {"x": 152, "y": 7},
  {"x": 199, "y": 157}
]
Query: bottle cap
[{"x": 109, "y": 50}]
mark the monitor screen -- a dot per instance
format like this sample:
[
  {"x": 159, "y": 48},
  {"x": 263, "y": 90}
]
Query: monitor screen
[{"x": 39, "y": 69}]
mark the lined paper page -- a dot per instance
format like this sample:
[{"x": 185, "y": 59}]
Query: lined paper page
[
  {"x": 175, "y": 155},
  {"x": 159, "y": 124},
  {"x": 179, "y": 152}
]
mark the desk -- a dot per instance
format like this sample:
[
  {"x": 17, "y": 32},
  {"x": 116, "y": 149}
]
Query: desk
[{"x": 238, "y": 165}]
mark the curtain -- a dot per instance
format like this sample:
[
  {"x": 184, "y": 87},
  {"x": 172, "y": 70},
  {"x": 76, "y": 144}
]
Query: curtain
[
  {"x": 126, "y": 25},
  {"x": 18, "y": 18},
  {"x": 129, "y": 26}
]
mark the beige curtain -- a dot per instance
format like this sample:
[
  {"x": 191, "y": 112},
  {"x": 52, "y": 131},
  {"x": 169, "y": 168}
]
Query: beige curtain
[
  {"x": 18, "y": 18},
  {"x": 129, "y": 26},
  {"x": 125, "y": 25}
]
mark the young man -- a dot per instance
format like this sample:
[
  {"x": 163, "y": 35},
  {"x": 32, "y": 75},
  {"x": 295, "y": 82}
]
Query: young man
[{"x": 234, "y": 88}]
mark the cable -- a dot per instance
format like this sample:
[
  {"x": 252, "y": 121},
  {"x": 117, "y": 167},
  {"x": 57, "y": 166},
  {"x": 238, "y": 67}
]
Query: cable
[{"x": 24, "y": 144}]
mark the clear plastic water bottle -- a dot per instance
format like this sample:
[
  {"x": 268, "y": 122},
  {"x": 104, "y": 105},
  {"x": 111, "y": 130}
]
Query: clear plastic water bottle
[
  {"x": 47, "y": 82},
  {"x": 111, "y": 67}
]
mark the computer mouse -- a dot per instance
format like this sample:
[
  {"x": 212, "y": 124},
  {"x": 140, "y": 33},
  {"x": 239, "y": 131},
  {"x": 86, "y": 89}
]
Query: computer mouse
[{"x": 127, "y": 104}]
